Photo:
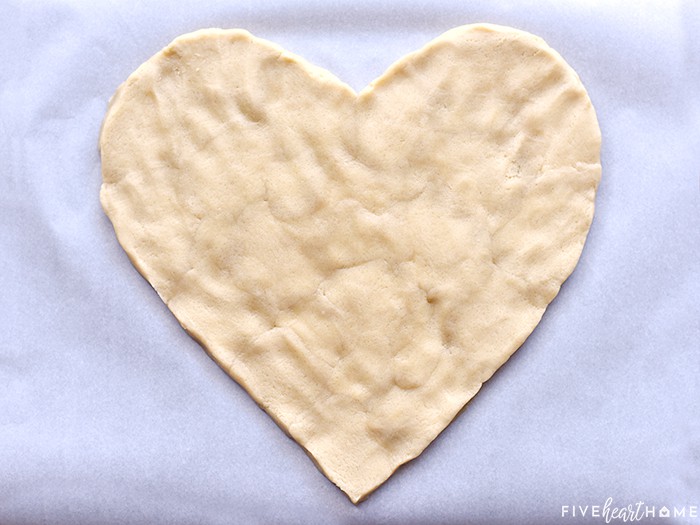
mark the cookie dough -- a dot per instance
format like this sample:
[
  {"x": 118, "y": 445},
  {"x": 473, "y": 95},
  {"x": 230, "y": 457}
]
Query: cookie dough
[{"x": 359, "y": 262}]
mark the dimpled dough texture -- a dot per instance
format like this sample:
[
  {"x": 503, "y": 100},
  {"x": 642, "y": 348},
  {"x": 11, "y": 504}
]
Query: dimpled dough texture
[{"x": 359, "y": 263}]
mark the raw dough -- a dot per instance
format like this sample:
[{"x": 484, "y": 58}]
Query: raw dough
[{"x": 359, "y": 263}]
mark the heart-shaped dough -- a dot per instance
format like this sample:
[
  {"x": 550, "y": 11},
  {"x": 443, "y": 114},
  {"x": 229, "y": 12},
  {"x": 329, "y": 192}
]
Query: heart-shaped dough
[{"x": 359, "y": 263}]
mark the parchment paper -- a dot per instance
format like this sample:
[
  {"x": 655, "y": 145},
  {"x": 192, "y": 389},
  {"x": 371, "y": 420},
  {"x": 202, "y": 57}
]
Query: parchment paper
[{"x": 110, "y": 413}]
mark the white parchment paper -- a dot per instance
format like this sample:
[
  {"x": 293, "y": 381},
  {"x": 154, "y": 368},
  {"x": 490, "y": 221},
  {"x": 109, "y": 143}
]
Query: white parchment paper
[{"x": 109, "y": 413}]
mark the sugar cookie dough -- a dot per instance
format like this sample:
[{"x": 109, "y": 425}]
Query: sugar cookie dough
[{"x": 359, "y": 263}]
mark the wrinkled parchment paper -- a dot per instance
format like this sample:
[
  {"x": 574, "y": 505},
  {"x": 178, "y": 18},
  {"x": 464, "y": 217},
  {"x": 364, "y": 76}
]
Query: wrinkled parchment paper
[{"x": 110, "y": 413}]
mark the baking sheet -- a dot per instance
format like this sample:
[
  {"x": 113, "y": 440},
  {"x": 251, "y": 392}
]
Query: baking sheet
[{"x": 109, "y": 413}]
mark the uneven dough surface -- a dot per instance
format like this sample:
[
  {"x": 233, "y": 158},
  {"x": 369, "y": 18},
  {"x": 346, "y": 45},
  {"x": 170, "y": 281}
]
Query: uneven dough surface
[{"x": 359, "y": 263}]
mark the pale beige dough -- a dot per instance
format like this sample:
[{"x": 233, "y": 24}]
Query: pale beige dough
[{"x": 359, "y": 263}]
